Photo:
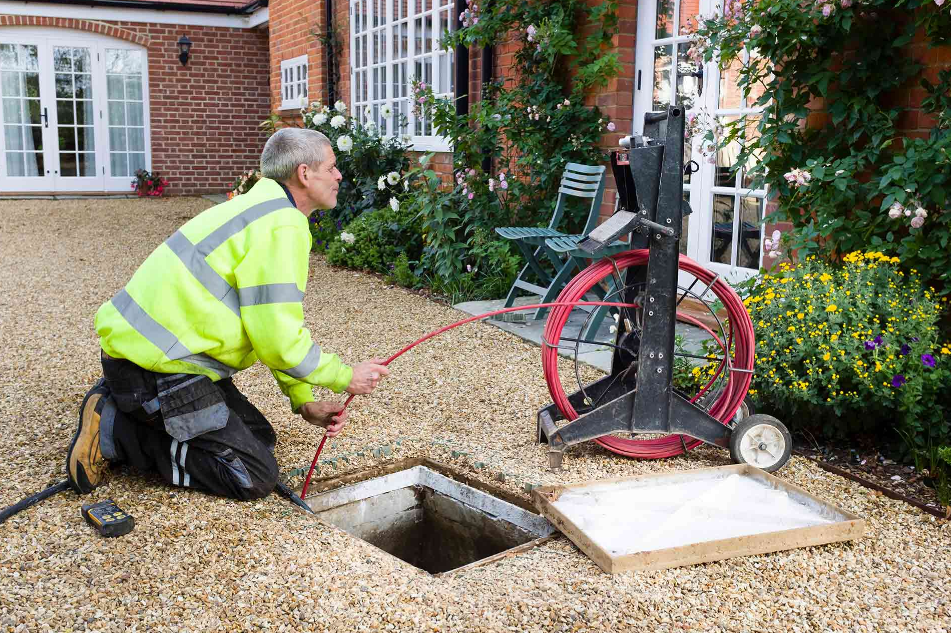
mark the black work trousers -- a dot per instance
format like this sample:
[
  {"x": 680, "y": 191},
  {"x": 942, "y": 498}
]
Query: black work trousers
[{"x": 196, "y": 433}]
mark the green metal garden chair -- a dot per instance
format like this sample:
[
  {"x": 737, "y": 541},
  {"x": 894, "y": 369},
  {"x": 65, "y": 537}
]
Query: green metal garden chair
[{"x": 552, "y": 269}]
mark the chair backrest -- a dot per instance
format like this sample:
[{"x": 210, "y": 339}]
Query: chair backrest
[{"x": 580, "y": 181}]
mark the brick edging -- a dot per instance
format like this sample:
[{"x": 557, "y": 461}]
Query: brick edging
[{"x": 103, "y": 28}]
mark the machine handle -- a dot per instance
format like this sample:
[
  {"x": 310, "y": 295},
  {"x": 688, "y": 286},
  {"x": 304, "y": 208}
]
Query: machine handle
[{"x": 46, "y": 119}]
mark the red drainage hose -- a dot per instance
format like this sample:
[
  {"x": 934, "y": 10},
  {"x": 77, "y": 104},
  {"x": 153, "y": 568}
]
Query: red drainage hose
[
  {"x": 740, "y": 334},
  {"x": 725, "y": 407}
]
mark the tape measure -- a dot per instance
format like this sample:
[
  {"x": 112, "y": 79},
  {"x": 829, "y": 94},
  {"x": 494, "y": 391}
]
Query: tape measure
[{"x": 108, "y": 518}]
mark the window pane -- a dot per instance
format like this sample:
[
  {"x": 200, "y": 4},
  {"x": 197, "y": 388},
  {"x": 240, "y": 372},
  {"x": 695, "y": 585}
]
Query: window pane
[
  {"x": 85, "y": 139},
  {"x": 63, "y": 59},
  {"x": 33, "y": 113},
  {"x": 683, "y": 228},
  {"x": 67, "y": 165},
  {"x": 84, "y": 113},
  {"x": 15, "y": 164},
  {"x": 133, "y": 88},
  {"x": 751, "y": 134},
  {"x": 29, "y": 57},
  {"x": 726, "y": 159},
  {"x": 687, "y": 86},
  {"x": 64, "y": 112},
  {"x": 83, "y": 86},
  {"x": 32, "y": 84},
  {"x": 8, "y": 56},
  {"x": 118, "y": 164},
  {"x": 81, "y": 60},
  {"x": 665, "y": 19},
  {"x": 12, "y": 111},
  {"x": 134, "y": 113},
  {"x": 64, "y": 86},
  {"x": 748, "y": 253},
  {"x": 662, "y": 61},
  {"x": 116, "y": 113},
  {"x": 34, "y": 164},
  {"x": 11, "y": 84},
  {"x": 117, "y": 139},
  {"x": 66, "y": 137},
  {"x": 34, "y": 138},
  {"x": 13, "y": 137},
  {"x": 722, "y": 243},
  {"x": 136, "y": 162},
  {"x": 730, "y": 95},
  {"x": 87, "y": 164},
  {"x": 136, "y": 139}
]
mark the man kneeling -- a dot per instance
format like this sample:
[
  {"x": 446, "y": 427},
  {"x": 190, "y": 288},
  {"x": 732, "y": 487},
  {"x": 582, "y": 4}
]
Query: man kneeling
[{"x": 222, "y": 292}]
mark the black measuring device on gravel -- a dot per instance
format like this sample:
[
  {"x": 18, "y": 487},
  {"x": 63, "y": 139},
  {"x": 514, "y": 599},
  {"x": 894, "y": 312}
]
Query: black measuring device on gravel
[{"x": 108, "y": 518}]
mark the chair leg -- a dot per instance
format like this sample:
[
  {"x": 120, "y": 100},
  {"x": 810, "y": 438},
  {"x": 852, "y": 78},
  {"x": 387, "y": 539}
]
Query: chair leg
[
  {"x": 513, "y": 291},
  {"x": 556, "y": 285}
]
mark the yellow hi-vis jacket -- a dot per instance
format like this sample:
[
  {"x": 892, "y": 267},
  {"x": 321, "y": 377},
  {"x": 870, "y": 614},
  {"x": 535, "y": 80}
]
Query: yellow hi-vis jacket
[{"x": 222, "y": 292}]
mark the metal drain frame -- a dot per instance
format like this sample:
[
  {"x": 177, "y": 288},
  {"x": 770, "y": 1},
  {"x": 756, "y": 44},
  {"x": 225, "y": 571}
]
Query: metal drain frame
[{"x": 331, "y": 483}]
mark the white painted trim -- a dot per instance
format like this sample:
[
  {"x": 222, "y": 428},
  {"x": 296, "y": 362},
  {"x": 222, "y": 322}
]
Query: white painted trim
[{"x": 106, "y": 14}]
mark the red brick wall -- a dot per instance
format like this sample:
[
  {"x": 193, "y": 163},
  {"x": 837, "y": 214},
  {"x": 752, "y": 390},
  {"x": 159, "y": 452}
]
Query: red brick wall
[{"x": 204, "y": 117}]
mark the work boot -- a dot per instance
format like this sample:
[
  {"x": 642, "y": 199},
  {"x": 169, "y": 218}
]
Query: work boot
[{"x": 85, "y": 465}]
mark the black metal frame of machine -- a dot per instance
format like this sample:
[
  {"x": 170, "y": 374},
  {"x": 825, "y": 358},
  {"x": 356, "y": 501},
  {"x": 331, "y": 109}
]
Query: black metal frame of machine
[{"x": 645, "y": 401}]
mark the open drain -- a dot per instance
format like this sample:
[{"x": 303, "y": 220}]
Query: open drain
[{"x": 428, "y": 519}]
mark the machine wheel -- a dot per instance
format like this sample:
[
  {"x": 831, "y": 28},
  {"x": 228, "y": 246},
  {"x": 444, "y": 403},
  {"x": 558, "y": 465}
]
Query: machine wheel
[{"x": 762, "y": 441}]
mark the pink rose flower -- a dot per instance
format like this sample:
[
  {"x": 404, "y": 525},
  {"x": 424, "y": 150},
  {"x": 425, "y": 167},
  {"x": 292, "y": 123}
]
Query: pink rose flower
[{"x": 917, "y": 222}]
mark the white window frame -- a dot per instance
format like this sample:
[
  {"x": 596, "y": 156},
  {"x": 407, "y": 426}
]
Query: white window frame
[
  {"x": 294, "y": 83},
  {"x": 384, "y": 63},
  {"x": 702, "y": 189},
  {"x": 46, "y": 38}
]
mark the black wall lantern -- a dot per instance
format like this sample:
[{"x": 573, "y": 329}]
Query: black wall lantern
[{"x": 184, "y": 46}]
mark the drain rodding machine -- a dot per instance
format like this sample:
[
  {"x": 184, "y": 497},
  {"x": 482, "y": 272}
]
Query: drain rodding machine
[{"x": 638, "y": 397}]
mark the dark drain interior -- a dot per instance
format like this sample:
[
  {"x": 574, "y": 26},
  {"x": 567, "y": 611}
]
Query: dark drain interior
[{"x": 431, "y": 530}]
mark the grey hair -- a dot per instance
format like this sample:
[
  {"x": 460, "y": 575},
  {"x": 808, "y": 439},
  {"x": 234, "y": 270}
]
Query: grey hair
[{"x": 289, "y": 147}]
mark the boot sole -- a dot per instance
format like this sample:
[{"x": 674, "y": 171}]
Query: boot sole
[{"x": 81, "y": 483}]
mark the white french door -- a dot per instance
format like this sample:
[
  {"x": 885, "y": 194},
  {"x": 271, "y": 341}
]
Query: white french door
[
  {"x": 723, "y": 233},
  {"x": 74, "y": 112}
]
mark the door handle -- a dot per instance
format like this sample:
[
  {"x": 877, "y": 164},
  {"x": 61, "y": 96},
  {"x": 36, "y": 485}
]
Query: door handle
[
  {"x": 46, "y": 119},
  {"x": 699, "y": 75}
]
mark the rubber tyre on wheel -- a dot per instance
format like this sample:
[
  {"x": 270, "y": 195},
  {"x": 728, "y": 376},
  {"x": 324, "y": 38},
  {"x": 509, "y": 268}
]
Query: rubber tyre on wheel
[{"x": 755, "y": 432}]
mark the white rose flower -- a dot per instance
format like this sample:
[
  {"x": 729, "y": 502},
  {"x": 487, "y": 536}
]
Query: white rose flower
[
  {"x": 320, "y": 118},
  {"x": 345, "y": 143},
  {"x": 394, "y": 204},
  {"x": 392, "y": 178},
  {"x": 337, "y": 122},
  {"x": 368, "y": 112},
  {"x": 340, "y": 106},
  {"x": 406, "y": 184},
  {"x": 407, "y": 139},
  {"x": 381, "y": 183},
  {"x": 370, "y": 127},
  {"x": 921, "y": 213},
  {"x": 349, "y": 238},
  {"x": 386, "y": 110}
]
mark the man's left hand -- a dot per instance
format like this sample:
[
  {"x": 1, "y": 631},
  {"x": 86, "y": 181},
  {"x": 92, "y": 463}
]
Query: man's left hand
[{"x": 327, "y": 414}]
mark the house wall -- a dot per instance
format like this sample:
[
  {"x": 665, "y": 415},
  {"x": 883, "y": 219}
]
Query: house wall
[{"x": 204, "y": 117}]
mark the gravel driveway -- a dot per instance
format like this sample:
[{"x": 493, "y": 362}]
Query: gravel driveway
[{"x": 468, "y": 399}]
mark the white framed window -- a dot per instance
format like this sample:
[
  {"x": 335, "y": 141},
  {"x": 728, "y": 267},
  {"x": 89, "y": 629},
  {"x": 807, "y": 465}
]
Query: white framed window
[
  {"x": 392, "y": 42},
  {"x": 294, "y": 83}
]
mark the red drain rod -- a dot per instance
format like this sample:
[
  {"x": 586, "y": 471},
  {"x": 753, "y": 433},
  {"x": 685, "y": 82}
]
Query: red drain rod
[
  {"x": 741, "y": 333},
  {"x": 389, "y": 360}
]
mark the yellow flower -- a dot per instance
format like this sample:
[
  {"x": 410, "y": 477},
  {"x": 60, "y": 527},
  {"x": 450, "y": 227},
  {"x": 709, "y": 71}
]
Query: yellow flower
[
  {"x": 800, "y": 316},
  {"x": 826, "y": 356},
  {"x": 834, "y": 337},
  {"x": 945, "y": 350}
]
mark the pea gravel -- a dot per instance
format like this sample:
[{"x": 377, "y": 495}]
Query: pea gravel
[{"x": 468, "y": 398}]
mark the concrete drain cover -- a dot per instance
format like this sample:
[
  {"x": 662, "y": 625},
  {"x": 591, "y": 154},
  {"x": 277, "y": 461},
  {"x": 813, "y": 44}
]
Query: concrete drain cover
[{"x": 429, "y": 520}]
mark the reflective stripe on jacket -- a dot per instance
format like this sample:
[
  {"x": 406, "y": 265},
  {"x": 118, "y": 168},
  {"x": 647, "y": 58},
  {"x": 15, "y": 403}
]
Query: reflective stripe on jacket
[{"x": 222, "y": 292}]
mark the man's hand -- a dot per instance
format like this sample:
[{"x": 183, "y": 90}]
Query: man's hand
[
  {"x": 325, "y": 414},
  {"x": 366, "y": 376}
]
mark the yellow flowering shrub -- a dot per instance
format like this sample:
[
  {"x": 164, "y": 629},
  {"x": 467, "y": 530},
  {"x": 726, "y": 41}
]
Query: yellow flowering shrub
[{"x": 851, "y": 348}]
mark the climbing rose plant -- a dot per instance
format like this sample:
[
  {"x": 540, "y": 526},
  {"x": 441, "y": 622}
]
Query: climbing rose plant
[{"x": 854, "y": 181}]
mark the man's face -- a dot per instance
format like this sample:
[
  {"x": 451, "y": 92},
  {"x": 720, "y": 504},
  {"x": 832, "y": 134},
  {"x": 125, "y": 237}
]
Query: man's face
[{"x": 322, "y": 181}]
